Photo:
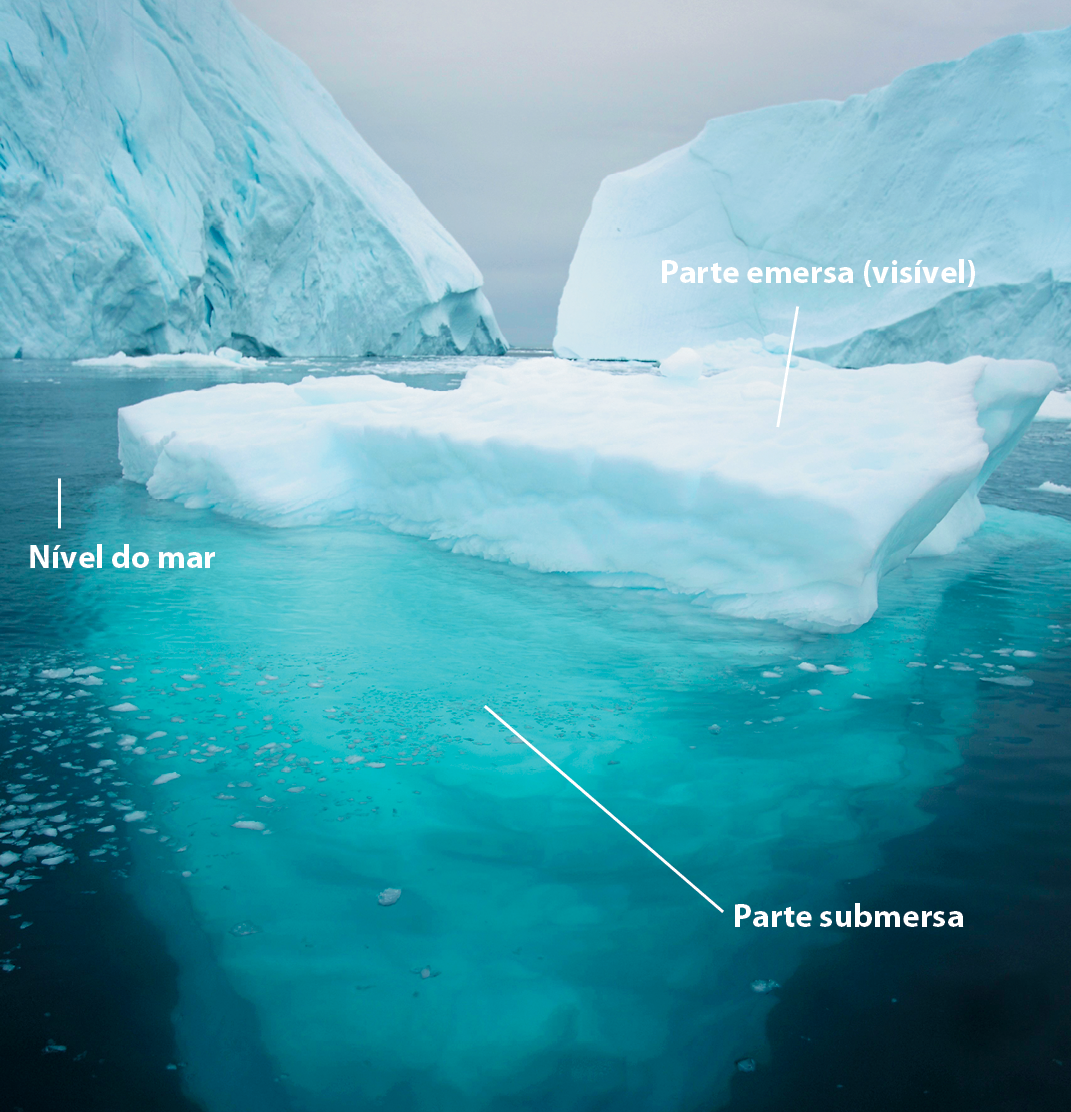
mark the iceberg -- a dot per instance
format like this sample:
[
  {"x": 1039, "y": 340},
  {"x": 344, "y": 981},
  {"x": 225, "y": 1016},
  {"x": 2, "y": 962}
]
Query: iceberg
[
  {"x": 681, "y": 482},
  {"x": 956, "y": 161},
  {"x": 172, "y": 180}
]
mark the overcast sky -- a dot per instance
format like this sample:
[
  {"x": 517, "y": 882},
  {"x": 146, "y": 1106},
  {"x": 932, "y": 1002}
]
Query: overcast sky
[{"x": 504, "y": 117}]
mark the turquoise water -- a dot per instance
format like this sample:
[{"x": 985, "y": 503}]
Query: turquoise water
[{"x": 537, "y": 957}]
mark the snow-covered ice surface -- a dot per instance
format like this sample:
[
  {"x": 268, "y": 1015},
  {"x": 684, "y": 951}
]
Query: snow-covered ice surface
[
  {"x": 884, "y": 176},
  {"x": 173, "y": 180},
  {"x": 631, "y": 479}
]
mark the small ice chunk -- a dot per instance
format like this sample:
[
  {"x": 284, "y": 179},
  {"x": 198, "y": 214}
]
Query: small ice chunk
[
  {"x": 1023, "y": 652},
  {"x": 856, "y": 695},
  {"x": 764, "y": 986},
  {"x": 836, "y": 669},
  {"x": 685, "y": 364},
  {"x": 8, "y": 858},
  {"x": 807, "y": 666},
  {"x": 123, "y": 708},
  {"x": 375, "y": 764},
  {"x": 389, "y": 896},
  {"x": 135, "y": 816},
  {"x": 771, "y": 675},
  {"x": 353, "y": 760},
  {"x": 266, "y": 799},
  {"x": 56, "y": 673},
  {"x": 714, "y": 728},
  {"x": 53, "y": 1048},
  {"x": 243, "y": 929},
  {"x": 1009, "y": 681},
  {"x": 915, "y": 664},
  {"x": 155, "y": 734},
  {"x": 189, "y": 677},
  {"x": 813, "y": 691},
  {"x": 166, "y": 778},
  {"x": 296, "y": 789},
  {"x": 88, "y": 671},
  {"x": 745, "y": 1065},
  {"x": 248, "y": 824}
]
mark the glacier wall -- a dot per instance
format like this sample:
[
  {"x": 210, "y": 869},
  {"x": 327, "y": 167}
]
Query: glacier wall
[
  {"x": 171, "y": 180},
  {"x": 685, "y": 484},
  {"x": 962, "y": 159}
]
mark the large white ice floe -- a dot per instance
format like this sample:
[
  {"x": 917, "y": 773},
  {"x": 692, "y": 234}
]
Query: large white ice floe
[
  {"x": 635, "y": 479},
  {"x": 172, "y": 180},
  {"x": 960, "y": 160}
]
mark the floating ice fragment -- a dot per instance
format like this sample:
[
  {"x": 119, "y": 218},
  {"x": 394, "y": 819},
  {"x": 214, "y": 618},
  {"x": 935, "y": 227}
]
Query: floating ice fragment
[
  {"x": 813, "y": 691},
  {"x": 266, "y": 799},
  {"x": 375, "y": 764},
  {"x": 166, "y": 778},
  {"x": 771, "y": 675},
  {"x": 54, "y": 860},
  {"x": 915, "y": 664},
  {"x": 107, "y": 830},
  {"x": 189, "y": 677},
  {"x": 745, "y": 1065},
  {"x": 1054, "y": 488},
  {"x": 807, "y": 666},
  {"x": 155, "y": 734},
  {"x": 55, "y": 673},
  {"x": 243, "y": 929},
  {"x": 248, "y": 824},
  {"x": 1023, "y": 652},
  {"x": 714, "y": 728},
  {"x": 52, "y": 1048},
  {"x": 1009, "y": 681},
  {"x": 135, "y": 816},
  {"x": 353, "y": 760},
  {"x": 8, "y": 858},
  {"x": 106, "y": 763},
  {"x": 389, "y": 896},
  {"x": 764, "y": 986},
  {"x": 88, "y": 671},
  {"x": 836, "y": 669},
  {"x": 296, "y": 789},
  {"x": 856, "y": 695}
]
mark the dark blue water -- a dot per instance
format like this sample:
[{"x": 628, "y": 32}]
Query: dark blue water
[{"x": 564, "y": 970}]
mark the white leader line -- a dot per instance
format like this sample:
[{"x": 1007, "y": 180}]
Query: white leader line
[
  {"x": 784, "y": 385},
  {"x": 603, "y": 809},
  {"x": 59, "y": 503}
]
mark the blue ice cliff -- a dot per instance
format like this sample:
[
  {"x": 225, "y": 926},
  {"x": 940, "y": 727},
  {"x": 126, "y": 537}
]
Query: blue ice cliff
[
  {"x": 171, "y": 180},
  {"x": 960, "y": 160}
]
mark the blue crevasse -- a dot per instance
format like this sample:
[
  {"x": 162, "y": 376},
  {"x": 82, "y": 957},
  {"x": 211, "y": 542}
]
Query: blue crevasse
[
  {"x": 959, "y": 160},
  {"x": 171, "y": 180}
]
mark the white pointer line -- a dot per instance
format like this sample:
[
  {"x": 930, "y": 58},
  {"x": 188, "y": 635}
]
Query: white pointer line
[
  {"x": 603, "y": 809},
  {"x": 59, "y": 503},
  {"x": 784, "y": 385}
]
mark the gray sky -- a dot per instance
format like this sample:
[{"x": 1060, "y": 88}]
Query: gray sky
[{"x": 504, "y": 117}]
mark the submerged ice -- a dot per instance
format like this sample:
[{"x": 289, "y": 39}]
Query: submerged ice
[
  {"x": 958, "y": 160},
  {"x": 684, "y": 482},
  {"x": 172, "y": 180}
]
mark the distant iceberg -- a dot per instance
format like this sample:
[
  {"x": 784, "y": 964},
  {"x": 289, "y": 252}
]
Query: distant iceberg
[
  {"x": 680, "y": 482},
  {"x": 172, "y": 180},
  {"x": 959, "y": 160}
]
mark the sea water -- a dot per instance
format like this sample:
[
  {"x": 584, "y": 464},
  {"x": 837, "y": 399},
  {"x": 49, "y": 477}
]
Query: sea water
[{"x": 319, "y": 693}]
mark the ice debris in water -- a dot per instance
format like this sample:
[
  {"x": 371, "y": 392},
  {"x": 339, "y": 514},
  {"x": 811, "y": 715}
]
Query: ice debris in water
[
  {"x": 56, "y": 673},
  {"x": 389, "y": 896},
  {"x": 242, "y": 929},
  {"x": 764, "y": 986},
  {"x": 836, "y": 669},
  {"x": 166, "y": 778},
  {"x": 248, "y": 824},
  {"x": 745, "y": 1065},
  {"x": 807, "y": 666}
]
